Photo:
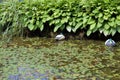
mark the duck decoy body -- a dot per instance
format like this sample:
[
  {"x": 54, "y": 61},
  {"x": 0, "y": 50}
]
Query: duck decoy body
[
  {"x": 110, "y": 43},
  {"x": 60, "y": 37}
]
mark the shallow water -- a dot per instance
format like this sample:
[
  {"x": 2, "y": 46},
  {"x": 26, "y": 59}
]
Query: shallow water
[{"x": 76, "y": 59}]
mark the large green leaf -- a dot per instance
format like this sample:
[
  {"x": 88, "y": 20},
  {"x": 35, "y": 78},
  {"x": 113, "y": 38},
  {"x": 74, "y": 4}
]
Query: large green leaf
[
  {"x": 73, "y": 23},
  {"x": 113, "y": 31},
  {"x": 106, "y": 32},
  {"x": 111, "y": 23},
  {"x": 64, "y": 20},
  {"x": 91, "y": 21},
  {"x": 118, "y": 17},
  {"x": 56, "y": 21},
  {"x": 25, "y": 19},
  {"x": 106, "y": 1},
  {"x": 30, "y": 26},
  {"x": 62, "y": 27},
  {"x": 95, "y": 11},
  {"x": 118, "y": 7},
  {"x": 106, "y": 26},
  {"x": 51, "y": 22},
  {"x": 77, "y": 26},
  {"x": 47, "y": 18},
  {"x": 78, "y": 19},
  {"x": 85, "y": 20},
  {"x": 89, "y": 32},
  {"x": 37, "y": 23},
  {"x": 94, "y": 30},
  {"x": 101, "y": 20},
  {"x": 57, "y": 13},
  {"x": 64, "y": 14},
  {"x": 106, "y": 17},
  {"x": 92, "y": 26},
  {"x": 117, "y": 21},
  {"x": 79, "y": 14},
  {"x": 32, "y": 21},
  {"x": 69, "y": 28},
  {"x": 70, "y": 23},
  {"x": 118, "y": 29},
  {"x": 57, "y": 26},
  {"x": 100, "y": 15},
  {"x": 99, "y": 25},
  {"x": 41, "y": 26}
]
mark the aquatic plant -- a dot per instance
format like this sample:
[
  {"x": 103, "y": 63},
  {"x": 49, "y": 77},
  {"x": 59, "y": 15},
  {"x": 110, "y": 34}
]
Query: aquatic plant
[{"x": 70, "y": 60}]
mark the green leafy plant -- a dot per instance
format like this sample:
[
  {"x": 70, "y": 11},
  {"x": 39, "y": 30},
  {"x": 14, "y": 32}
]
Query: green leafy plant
[{"x": 72, "y": 16}]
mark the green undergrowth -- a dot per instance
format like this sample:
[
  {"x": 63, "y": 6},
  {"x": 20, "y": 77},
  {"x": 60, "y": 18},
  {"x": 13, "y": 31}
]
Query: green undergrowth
[
  {"x": 58, "y": 15},
  {"x": 73, "y": 60}
]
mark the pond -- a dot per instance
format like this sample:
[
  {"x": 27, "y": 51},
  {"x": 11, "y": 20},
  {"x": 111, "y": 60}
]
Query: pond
[{"x": 47, "y": 59}]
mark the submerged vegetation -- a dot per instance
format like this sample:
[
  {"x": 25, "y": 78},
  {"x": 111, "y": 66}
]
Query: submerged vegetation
[{"x": 72, "y": 60}]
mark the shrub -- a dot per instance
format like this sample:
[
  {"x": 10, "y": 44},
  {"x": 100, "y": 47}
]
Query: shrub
[{"x": 92, "y": 16}]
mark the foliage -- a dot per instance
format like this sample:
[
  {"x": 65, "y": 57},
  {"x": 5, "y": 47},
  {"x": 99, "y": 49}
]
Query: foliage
[
  {"x": 68, "y": 59},
  {"x": 10, "y": 21},
  {"x": 90, "y": 15}
]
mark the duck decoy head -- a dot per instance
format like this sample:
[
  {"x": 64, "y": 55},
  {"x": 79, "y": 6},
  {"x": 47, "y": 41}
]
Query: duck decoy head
[
  {"x": 110, "y": 43},
  {"x": 60, "y": 37}
]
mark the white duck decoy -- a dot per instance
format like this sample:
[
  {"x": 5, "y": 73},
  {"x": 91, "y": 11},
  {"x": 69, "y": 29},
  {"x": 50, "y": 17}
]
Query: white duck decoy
[
  {"x": 110, "y": 43},
  {"x": 60, "y": 37}
]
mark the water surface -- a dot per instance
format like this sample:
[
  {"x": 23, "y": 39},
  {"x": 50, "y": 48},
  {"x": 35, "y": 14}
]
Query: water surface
[{"x": 68, "y": 59}]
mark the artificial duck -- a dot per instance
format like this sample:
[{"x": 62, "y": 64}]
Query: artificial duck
[
  {"x": 60, "y": 37},
  {"x": 110, "y": 43}
]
